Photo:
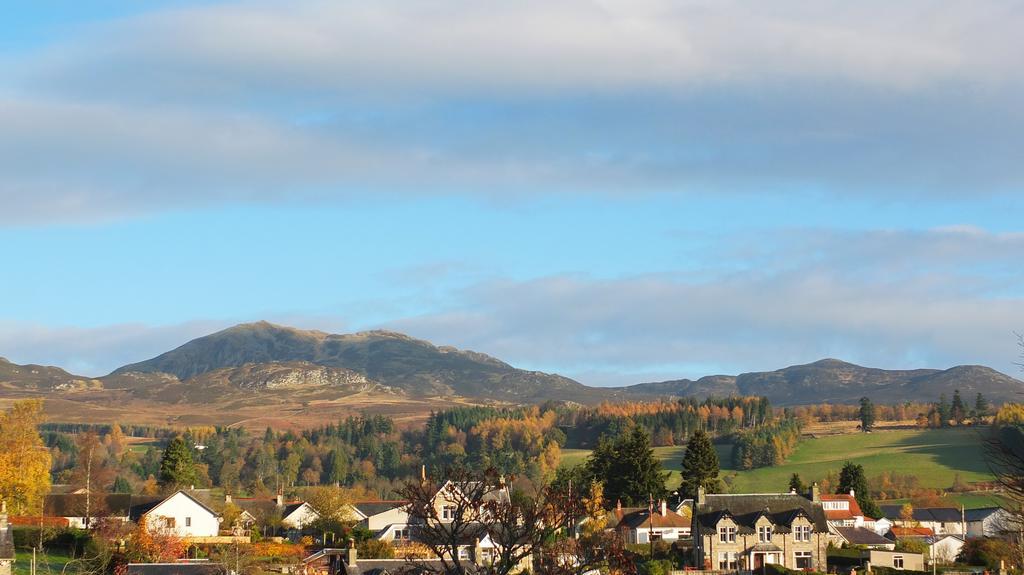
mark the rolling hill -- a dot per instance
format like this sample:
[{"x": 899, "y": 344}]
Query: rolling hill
[{"x": 835, "y": 381}]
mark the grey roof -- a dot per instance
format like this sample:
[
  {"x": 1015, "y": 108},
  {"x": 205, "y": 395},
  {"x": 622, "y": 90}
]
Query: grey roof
[
  {"x": 780, "y": 508},
  {"x": 370, "y": 508},
  {"x": 185, "y": 568},
  {"x": 862, "y": 536},
  {"x": 932, "y": 514},
  {"x": 112, "y": 505},
  {"x": 981, "y": 514}
]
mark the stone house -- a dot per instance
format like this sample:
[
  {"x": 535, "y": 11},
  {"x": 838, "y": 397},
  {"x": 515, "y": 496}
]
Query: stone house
[{"x": 747, "y": 531}]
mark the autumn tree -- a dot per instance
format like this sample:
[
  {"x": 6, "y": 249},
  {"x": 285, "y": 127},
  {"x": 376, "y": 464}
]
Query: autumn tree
[
  {"x": 700, "y": 466},
  {"x": 24, "y": 459},
  {"x": 91, "y": 473}
]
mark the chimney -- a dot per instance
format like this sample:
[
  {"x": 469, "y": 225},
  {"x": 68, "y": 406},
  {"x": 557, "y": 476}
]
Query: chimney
[
  {"x": 350, "y": 556},
  {"x": 280, "y": 499},
  {"x": 664, "y": 508},
  {"x": 191, "y": 487},
  {"x": 423, "y": 473},
  {"x": 815, "y": 492},
  {"x": 702, "y": 495},
  {"x": 618, "y": 505},
  {"x": 792, "y": 490},
  {"x": 227, "y": 498},
  {"x": 852, "y": 493}
]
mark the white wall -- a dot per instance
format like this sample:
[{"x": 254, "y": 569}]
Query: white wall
[
  {"x": 301, "y": 517},
  {"x": 190, "y": 519},
  {"x": 381, "y": 520}
]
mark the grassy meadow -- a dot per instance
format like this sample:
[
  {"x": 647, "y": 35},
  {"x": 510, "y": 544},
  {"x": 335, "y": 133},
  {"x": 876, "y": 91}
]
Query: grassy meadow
[{"x": 935, "y": 456}]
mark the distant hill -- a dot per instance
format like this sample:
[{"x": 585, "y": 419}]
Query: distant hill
[
  {"x": 385, "y": 358},
  {"x": 42, "y": 378},
  {"x": 835, "y": 381}
]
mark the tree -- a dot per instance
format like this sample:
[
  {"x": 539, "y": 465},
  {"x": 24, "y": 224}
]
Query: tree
[
  {"x": 177, "y": 470},
  {"x": 943, "y": 411},
  {"x": 91, "y": 473},
  {"x": 24, "y": 459},
  {"x": 121, "y": 485},
  {"x": 907, "y": 515},
  {"x": 627, "y": 467},
  {"x": 851, "y": 478},
  {"x": 958, "y": 411},
  {"x": 796, "y": 484},
  {"x": 700, "y": 466},
  {"x": 867, "y": 414},
  {"x": 980, "y": 407}
]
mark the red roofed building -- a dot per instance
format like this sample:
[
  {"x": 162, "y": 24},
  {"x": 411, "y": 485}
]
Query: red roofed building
[
  {"x": 842, "y": 510},
  {"x": 911, "y": 532}
]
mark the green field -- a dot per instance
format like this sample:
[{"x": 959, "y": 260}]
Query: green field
[
  {"x": 935, "y": 456},
  {"x": 52, "y": 563}
]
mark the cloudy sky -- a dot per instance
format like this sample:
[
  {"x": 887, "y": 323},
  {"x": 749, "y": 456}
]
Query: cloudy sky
[{"x": 618, "y": 191}]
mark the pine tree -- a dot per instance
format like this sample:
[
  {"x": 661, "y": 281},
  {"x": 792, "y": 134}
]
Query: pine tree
[
  {"x": 121, "y": 485},
  {"x": 796, "y": 484},
  {"x": 943, "y": 410},
  {"x": 700, "y": 466},
  {"x": 177, "y": 470},
  {"x": 980, "y": 406},
  {"x": 959, "y": 412},
  {"x": 867, "y": 414},
  {"x": 852, "y": 478},
  {"x": 628, "y": 468}
]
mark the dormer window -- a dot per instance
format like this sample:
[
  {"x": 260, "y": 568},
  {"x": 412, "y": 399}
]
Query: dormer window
[
  {"x": 764, "y": 534},
  {"x": 727, "y": 534}
]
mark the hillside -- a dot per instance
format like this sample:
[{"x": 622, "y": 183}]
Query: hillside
[
  {"x": 42, "y": 378},
  {"x": 384, "y": 358},
  {"x": 835, "y": 381}
]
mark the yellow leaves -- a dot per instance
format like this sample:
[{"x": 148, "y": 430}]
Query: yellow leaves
[
  {"x": 1010, "y": 414},
  {"x": 24, "y": 459}
]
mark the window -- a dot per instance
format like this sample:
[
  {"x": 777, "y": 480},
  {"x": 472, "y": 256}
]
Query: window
[
  {"x": 464, "y": 553},
  {"x": 897, "y": 561},
  {"x": 188, "y": 522},
  {"x": 727, "y": 534},
  {"x": 803, "y": 560},
  {"x": 448, "y": 512},
  {"x": 655, "y": 535},
  {"x": 728, "y": 560},
  {"x": 764, "y": 534},
  {"x": 402, "y": 534},
  {"x": 802, "y": 533}
]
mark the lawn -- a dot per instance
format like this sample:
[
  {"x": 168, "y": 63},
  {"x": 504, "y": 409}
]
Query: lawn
[
  {"x": 47, "y": 563},
  {"x": 935, "y": 456}
]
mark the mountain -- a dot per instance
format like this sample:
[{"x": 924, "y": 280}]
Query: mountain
[
  {"x": 42, "y": 378},
  {"x": 835, "y": 381},
  {"x": 384, "y": 358}
]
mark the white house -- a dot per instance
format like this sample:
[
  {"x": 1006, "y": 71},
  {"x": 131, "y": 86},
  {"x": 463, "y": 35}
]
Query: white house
[
  {"x": 989, "y": 522},
  {"x": 663, "y": 525},
  {"x": 183, "y": 515},
  {"x": 255, "y": 511},
  {"x": 388, "y": 520},
  {"x": 941, "y": 520},
  {"x": 944, "y": 549}
]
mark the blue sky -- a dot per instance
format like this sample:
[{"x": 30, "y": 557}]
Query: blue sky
[{"x": 615, "y": 191}]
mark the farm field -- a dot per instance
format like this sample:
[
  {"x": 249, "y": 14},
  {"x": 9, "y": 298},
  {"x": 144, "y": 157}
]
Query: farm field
[{"x": 935, "y": 456}]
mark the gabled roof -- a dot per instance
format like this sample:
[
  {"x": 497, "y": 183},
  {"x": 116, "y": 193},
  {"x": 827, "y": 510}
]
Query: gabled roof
[
  {"x": 981, "y": 514},
  {"x": 642, "y": 519},
  {"x": 193, "y": 498},
  {"x": 853, "y": 511},
  {"x": 745, "y": 509},
  {"x": 371, "y": 508},
  {"x": 861, "y": 536}
]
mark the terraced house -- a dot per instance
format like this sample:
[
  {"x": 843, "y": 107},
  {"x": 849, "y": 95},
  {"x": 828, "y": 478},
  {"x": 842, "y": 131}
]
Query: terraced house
[{"x": 748, "y": 531}]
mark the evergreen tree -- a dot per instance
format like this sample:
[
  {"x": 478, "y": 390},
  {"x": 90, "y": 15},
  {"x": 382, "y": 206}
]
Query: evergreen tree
[
  {"x": 177, "y": 470},
  {"x": 700, "y": 466},
  {"x": 628, "y": 468},
  {"x": 943, "y": 410},
  {"x": 980, "y": 405},
  {"x": 867, "y": 414},
  {"x": 121, "y": 485},
  {"x": 958, "y": 410},
  {"x": 796, "y": 484},
  {"x": 852, "y": 478}
]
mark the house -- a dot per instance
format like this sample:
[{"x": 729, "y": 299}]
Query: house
[
  {"x": 748, "y": 531},
  {"x": 643, "y": 526},
  {"x": 292, "y": 514},
  {"x": 446, "y": 501},
  {"x": 862, "y": 536},
  {"x": 842, "y": 510},
  {"x": 389, "y": 520},
  {"x": 335, "y": 561},
  {"x": 989, "y": 522},
  {"x": 73, "y": 506},
  {"x": 944, "y": 549},
  {"x": 941, "y": 520},
  {"x": 898, "y": 560},
  {"x": 183, "y": 515},
  {"x": 6, "y": 542}
]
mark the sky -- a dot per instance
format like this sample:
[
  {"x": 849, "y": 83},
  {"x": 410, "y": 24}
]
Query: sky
[{"x": 617, "y": 191}]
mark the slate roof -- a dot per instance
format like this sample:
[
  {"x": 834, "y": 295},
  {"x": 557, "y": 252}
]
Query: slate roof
[
  {"x": 642, "y": 519},
  {"x": 184, "y": 568},
  {"x": 933, "y": 514},
  {"x": 981, "y": 514},
  {"x": 370, "y": 508},
  {"x": 780, "y": 508},
  {"x": 862, "y": 536},
  {"x": 113, "y": 505}
]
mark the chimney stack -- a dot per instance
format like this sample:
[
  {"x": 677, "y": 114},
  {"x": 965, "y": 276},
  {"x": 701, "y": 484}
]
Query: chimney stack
[
  {"x": 351, "y": 557},
  {"x": 227, "y": 498},
  {"x": 852, "y": 493},
  {"x": 815, "y": 492},
  {"x": 423, "y": 473},
  {"x": 280, "y": 499},
  {"x": 664, "y": 508},
  {"x": 701, "y": 497},
  {"x": 618, "y": 505}
]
